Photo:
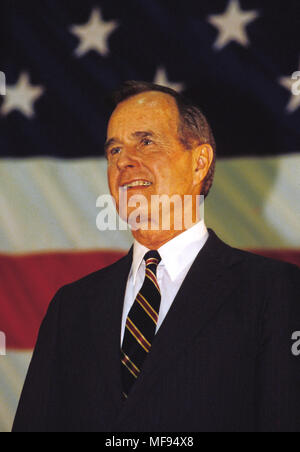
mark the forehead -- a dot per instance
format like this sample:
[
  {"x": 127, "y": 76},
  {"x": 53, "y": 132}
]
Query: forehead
[{"x": 150, "y": 109}]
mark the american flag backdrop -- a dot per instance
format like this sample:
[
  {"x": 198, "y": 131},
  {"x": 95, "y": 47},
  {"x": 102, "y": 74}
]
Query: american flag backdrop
[{"x": 239, "y": 60}]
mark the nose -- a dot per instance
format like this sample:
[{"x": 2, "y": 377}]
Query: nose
[{"x": 127, "y": 159}]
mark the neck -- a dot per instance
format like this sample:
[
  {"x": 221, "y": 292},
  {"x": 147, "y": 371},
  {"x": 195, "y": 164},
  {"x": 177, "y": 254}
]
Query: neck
[{"x": 154, "y": 238}]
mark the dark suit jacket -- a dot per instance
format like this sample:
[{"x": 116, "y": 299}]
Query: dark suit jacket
[{"x": 220, "y": 362}]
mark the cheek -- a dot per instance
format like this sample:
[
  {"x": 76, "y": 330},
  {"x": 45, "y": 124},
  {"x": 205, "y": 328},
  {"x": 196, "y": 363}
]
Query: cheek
[
  {"x": 112, "y": 180},
  {"x": 173, "y": 174},
  {"x": 161, "y": 164},
  {"x": 170, "y": 169}
]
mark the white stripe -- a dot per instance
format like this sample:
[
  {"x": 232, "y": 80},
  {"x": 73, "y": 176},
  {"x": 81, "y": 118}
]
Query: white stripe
[
  {"x": 254, "y": 202},
  {"x": 285, "y": 200},
  {"x": 50, "y": 204}
]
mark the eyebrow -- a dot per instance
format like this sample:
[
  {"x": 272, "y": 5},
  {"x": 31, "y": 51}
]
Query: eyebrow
[
  {"x": 143, "y": 134},
  {"x": 110, "y": 142},
  {"x": 138, "y": 134}
]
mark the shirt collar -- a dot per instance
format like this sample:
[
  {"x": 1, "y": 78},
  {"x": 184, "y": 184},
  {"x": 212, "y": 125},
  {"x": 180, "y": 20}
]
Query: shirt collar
[{"x": 175, "y": 254}]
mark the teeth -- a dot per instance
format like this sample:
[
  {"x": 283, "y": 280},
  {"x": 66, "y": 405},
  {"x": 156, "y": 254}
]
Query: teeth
[{"x": 138, "y": 183}]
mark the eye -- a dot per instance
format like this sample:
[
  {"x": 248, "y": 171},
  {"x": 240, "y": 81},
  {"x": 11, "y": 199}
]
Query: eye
[
  {"x": 146, "y": 141},
  {"x": 115, "y": 151}
]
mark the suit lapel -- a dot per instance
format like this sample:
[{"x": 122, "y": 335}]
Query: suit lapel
[
  {"x": 203, "y": 292},
  {"x": 106, "y": 317}
]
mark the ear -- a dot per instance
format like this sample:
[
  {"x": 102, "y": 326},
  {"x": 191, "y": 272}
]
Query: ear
[{"x": 203, "y": 157}]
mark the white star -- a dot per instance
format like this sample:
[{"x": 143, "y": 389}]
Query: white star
[
  {"x": 232, "y": 24},
  {"x": 94, "y": 34},
  {"x": 21, "y": 96},
  {"x": 161, "y": 78},
  {"x": 291, "y": 84}
]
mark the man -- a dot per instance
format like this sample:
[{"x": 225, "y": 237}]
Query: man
[{"x": 184, "y": 333}]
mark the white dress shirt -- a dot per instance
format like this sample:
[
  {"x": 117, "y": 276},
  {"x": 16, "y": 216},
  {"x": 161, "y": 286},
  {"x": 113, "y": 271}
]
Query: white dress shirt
[{"x": 177, "y": 257}]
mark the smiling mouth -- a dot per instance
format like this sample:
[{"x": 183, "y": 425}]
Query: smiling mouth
[{"x": 136, "y": 184}]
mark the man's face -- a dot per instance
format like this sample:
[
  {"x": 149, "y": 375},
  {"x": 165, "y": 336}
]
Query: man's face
[{"x": 143, "y": 145}]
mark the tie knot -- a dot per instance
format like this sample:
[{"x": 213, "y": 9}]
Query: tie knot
[{"x": 152, "y": 257}]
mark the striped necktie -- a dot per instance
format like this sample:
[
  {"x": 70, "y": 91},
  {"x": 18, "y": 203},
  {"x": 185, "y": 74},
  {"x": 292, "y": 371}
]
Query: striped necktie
[{"x": 141, "y": 324}]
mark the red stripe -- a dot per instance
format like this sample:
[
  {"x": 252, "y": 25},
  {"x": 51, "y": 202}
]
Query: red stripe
[
  {"x": 28, "y": 283},
  {"x": 138, "y": 335},
  {"x": 151, "y": 261},
  {"x": 153, "y": 278},
  {"x": 148, "y": 308}
]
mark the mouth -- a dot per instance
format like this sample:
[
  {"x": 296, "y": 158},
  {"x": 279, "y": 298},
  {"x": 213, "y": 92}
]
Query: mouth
[{"x": 136, "y": 184}]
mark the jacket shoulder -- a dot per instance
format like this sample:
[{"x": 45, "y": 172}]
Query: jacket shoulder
[
  {"x": 91, "y": 282},
  {"x": 244, "y": 259},
  {"x": 266, "y": 275},
  {"x": 252, "y": 266},
  {"x": 250, "y": 258},
  {"x": 260, "y": 261}
]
